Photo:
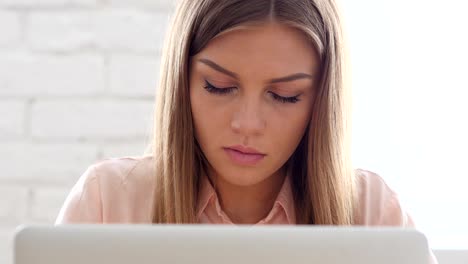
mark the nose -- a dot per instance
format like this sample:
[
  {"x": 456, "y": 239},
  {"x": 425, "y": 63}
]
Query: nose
[{"x": 248, "y": 119}]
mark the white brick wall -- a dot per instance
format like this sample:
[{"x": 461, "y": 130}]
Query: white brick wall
[
  {"x": 29, "y": 75},
  {"x": 113, "y": 150},
  {"x": 115, "y": 30},
  {"x": 6, "y": 237},
  {"x": 77, "y": 80},
  {"x": 46, "y": 202},
  {"x": 12, "y": 118},
  {"x": 47, "y": 3},
  {"x": 97, "y": 119},
  {"x": 44, "y": 163},
  {"x": 146, "y": 4},
  {"x": 13, "y": 206},
  {"x": 126, "y": 80},
  {"x": 10, "y": 28}
]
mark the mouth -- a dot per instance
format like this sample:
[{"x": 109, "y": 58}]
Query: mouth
[{"x": 243, "y": 155}]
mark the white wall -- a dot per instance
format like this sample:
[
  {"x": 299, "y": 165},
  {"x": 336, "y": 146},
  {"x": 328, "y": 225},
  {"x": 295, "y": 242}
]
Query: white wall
[{"x": 77, "y": 80}]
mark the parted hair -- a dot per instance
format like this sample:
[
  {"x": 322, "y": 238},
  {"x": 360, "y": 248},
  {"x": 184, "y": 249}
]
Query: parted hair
[{"x": 323, "y": 180}]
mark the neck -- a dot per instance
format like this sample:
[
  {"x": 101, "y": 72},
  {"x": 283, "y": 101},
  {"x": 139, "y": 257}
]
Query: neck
[{"x": 248, "y": 204}]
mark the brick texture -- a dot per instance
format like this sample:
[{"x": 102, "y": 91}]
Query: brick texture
[
  {"x": 91, "y": 119},
  {"x": 44, "y": 163},
  {"x": 48, "y": 3},
  {"x": 46, "y": 203},
  {"x": 13, "y": 203},
  {"x": 138, "y": 31},
  {"x": 6, "y": 244},
  {"x": 77, "y": 85},
  {"x": 10, "y": 26},
  {"x": 12, "y": 118},
  {"x": 31, "y": 76},
  {"x": 125, "y": 80}
]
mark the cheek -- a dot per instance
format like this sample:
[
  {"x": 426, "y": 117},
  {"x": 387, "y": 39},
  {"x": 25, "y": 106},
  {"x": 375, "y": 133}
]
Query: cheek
[
  {"x": 207, "y": 117},
  {"x": 199, "y": 112},
  {"x": 289, "y": 128}
]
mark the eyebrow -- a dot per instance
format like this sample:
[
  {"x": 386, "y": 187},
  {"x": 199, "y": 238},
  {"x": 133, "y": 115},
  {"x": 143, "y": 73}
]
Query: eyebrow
[{"x": 288, "y": 78}]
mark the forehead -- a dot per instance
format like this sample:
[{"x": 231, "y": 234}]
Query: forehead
[{"x": 263, "y": 47}]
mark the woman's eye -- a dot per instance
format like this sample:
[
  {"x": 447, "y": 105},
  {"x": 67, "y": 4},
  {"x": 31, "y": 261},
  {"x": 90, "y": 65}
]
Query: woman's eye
[
  {"x": 282, "y": 99},
  {"x": 213, "y": 89},
  {"x": 226, "y": 90}
]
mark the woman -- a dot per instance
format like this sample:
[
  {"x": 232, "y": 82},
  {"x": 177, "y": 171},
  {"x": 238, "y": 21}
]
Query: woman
[{"x": 251, "y": 127}]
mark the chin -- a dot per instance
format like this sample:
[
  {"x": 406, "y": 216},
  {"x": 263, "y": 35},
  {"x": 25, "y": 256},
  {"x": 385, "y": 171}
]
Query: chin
[{"x": 243, "y": 177}]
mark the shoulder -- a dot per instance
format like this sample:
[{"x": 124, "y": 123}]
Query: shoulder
[
  {"x": 125, "y": 171},
  {"x": 377, "y": 203},
  {"x": 111, "y": 190}
]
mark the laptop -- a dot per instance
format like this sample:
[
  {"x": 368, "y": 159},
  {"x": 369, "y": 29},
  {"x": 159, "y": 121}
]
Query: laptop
[{"x": 210, "y": 244}]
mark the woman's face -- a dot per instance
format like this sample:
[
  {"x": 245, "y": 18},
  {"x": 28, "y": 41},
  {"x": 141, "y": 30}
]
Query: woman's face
[{"x": 251, "y": 92}]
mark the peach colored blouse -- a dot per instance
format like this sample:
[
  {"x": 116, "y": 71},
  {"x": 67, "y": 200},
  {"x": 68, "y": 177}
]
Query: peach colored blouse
[{"x": 120, "y": 190}]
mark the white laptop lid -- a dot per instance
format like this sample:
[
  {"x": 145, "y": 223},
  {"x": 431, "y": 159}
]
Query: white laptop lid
[{"x": 144, "y": 244}]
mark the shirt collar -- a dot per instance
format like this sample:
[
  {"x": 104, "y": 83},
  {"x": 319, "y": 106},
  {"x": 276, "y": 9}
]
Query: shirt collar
[
  {"x": 284, "y": 199},
  {"x": 205, "y": 194}
]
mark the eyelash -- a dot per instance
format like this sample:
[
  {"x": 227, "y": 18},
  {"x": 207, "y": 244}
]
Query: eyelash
[
  {"x": 212, "y": 89},
  {"x": 222, "y": 91}
]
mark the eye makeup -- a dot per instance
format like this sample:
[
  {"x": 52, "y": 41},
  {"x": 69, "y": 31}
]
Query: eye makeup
[
  {"x": 283, "y": 99},
  {"x": 218, "y": 90},
  {"x": 227, "y": 90}
]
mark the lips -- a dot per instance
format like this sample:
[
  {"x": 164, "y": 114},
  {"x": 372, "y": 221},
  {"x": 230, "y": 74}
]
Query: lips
[
  {"x": 245, "y": 150},
  {"x": 244, "y": 155}
]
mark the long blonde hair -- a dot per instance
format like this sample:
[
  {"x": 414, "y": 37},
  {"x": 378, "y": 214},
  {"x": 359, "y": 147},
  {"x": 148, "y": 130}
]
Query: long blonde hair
[{"x": 322, "y": 175}]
